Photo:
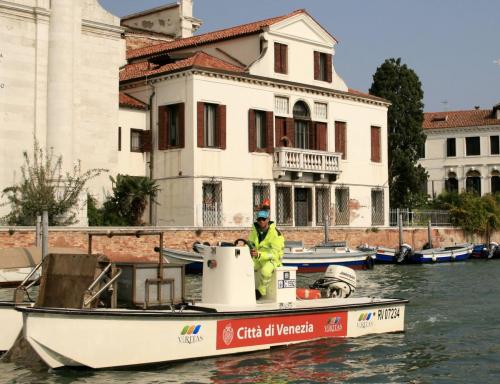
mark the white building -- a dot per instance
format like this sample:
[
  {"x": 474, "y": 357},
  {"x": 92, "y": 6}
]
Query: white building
[
  {"x": 258, "y": 111},
  {"x": 59, "y": 68},
  {"x": 462, "y": 151}
]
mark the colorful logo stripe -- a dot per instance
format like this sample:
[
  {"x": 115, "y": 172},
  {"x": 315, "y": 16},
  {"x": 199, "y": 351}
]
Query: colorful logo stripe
[
  {"x": 365, "y": 316},
  {"x": 190, "y": 329}
]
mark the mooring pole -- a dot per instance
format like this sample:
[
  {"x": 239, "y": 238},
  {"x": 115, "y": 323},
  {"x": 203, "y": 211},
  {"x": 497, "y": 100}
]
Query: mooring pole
[
  {"x": 45, "y": 233},
  {"x": 38, "y": 233},
  {"x": 400, "y": 225},
  {"x": 429, "y": 233}
]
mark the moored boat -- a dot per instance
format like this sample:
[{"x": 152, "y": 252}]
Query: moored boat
[
  {"x": 486, "y": 251},
  {"x": 406, "y": 255},
  {"x": 315, "y": 259},
  {"x": 228, "y": 319}
]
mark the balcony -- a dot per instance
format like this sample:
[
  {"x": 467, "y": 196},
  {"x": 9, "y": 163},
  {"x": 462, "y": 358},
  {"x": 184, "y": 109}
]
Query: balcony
[{"x": 298, "y": 162}]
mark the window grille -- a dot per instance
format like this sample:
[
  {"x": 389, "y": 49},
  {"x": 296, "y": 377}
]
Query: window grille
[
  {"x": 260, "y": 192},
  {"x": 281, "y": 105},
  {"x": 284, "y": 205},
  {"x": 212, "y": 204},
  {"x": 322, "y": 205},
  {"x": 321, "y": 110},
  {"x": 377, "y": 207},
  {"x": 342, "y": 206}
]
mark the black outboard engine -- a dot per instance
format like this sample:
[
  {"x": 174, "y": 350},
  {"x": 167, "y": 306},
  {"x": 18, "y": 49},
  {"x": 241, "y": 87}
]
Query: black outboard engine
[{"x": 404, "y": 253}]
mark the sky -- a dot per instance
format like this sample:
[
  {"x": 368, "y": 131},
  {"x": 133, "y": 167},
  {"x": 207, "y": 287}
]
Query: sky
[{"x": 452, "y": 45}]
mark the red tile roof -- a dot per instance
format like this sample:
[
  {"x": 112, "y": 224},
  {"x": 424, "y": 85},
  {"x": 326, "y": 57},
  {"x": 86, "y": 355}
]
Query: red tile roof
[
  {"x": 455, "y": 119},
  {"x": 199, "y": 60},
  {"x": 131, "y": 102},
  {"x": 223, "y": 34},
  {"x": 362, "y": 94}
]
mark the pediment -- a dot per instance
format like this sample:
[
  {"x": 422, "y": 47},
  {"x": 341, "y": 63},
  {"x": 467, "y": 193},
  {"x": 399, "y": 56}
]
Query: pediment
[{"x": 303, "y": 27}]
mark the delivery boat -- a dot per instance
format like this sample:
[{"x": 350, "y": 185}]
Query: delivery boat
[{"x": 227, "y": 320}]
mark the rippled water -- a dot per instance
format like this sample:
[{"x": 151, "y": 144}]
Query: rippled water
[{"x": 452, "y": 336}]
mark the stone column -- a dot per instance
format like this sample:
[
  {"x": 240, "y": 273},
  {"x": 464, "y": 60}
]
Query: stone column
[{"x": 64, "y": 36}]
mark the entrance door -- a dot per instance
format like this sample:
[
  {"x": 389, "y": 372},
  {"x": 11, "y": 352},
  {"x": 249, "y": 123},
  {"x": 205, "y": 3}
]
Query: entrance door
[{"x": 303, "y": 207}]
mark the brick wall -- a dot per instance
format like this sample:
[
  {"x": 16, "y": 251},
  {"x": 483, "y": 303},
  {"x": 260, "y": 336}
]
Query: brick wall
[{"x": 127, "y": 248}]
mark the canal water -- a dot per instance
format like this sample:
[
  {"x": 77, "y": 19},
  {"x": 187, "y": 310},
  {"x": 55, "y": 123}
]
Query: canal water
[{"x": 452, "y": 336}]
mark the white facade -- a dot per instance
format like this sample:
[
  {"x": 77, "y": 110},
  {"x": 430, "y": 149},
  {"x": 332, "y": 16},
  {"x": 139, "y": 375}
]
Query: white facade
[
  {"x": 462, "y": 151},
  {"x": 58, "y": 83},
  {"x": 234, "y": 172}
]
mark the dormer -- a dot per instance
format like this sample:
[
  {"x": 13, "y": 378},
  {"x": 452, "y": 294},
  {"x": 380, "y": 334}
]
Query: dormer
[{"x": 298, "y": 49}]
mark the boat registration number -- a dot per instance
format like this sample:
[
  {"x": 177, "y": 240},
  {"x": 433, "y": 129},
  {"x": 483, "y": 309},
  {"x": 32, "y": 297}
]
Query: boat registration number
[
  {"x": 388, "y": 313},
  {"x": 286, "y": 284}
]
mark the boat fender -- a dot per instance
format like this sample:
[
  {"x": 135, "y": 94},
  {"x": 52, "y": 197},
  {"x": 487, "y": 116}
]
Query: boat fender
[
  {"x": 369, "y": 263},
  {"x": 452, "y": 257},
  {"x": 434, "y": 257},
  {"x": 308, "y": 294}
]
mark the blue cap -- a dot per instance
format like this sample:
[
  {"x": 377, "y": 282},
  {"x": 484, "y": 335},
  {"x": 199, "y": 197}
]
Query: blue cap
[{"x": 263, "y": 214}]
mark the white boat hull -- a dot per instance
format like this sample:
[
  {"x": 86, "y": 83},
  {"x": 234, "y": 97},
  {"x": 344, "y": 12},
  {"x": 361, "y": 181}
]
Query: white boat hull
[
  {"x": 113, "y": 338},
  {"x": 12, "y": 277},
  {"x": 12, "y": 324}
]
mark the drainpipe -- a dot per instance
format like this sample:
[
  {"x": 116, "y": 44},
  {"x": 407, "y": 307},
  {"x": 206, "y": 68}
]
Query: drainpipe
[{"x": 151, "y": 154}]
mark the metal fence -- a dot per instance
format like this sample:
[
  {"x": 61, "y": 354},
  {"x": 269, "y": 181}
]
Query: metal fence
[{"x": 419, "y": 217}]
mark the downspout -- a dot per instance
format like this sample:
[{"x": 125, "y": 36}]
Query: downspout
[{"x": 151, "y": 153}]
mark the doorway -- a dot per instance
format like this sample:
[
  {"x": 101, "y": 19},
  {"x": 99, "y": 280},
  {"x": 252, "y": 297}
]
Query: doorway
[{"x": 303, "y": 207}]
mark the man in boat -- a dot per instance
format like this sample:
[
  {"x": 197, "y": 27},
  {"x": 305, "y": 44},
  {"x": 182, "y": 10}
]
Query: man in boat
[{"x": 268, "y": 248}]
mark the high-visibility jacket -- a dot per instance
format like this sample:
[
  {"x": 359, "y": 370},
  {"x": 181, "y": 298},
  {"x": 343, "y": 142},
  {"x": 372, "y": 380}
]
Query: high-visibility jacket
[{"x": 272, "y": 247}]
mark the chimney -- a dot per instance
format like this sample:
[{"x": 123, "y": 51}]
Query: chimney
[
  {"x": 189, "y": 24},
  {"x": 496, "y": 111},
  {"x": 476, "y": 107}
]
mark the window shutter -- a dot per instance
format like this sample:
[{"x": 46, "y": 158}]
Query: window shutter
[
  {"x": 251, "y": 131},
  {"x": 201, "y": 121},
  {"x": 181, "y": 110},
  {"x": 321, "y": 136},
  {"x": 146, "y": 141},
  {"x": 316, "y": 65},
  {"x": 284, "y": 58},
  {"x": 290, "y": 131},
  {"x": 340, "y": 138},
  {"x": 221, "y": 125},
  {"x": 375, "y": 136},
  {"x": 279, "y": 130},
  {"x": 269, "y": 132},
  {"x": 162, "y": 127},
  {"x": 277, "y": 57},
  {"x": 329, "y": 66}
]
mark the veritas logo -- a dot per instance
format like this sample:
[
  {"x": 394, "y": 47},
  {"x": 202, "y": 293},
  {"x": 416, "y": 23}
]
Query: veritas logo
[
  {"x": 190, "y": 334},
  {"x": 228, "y": 334},
  {"x": 333, "y": 324},
  {"x": 365, "y": 320}
]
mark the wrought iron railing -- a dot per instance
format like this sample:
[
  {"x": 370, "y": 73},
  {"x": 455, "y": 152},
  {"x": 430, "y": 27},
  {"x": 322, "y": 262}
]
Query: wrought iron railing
[{"x": 419, "y": 217}]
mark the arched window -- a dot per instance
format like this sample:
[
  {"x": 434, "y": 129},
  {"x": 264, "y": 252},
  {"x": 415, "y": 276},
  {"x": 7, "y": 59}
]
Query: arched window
[
  {"x": 451, "y": 183},
  {"x": 473, "y": 182},
  {"x": 302, "y": 121},
  {"x": 495, "y": 182}
]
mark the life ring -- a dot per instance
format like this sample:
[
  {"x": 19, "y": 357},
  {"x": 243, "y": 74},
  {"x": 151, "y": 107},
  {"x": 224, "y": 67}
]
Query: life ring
[
  {"x": 308, "y": 294},
  {"x": 369, "y": 263}
]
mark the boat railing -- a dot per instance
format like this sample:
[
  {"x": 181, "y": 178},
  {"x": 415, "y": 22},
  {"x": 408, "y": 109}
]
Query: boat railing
[
  {"x": 21, "y": 289},
  {"x": 90, "y": 296}
]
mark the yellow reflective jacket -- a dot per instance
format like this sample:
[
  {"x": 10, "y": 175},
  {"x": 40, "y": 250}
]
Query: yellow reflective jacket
[{"x": 272, "y": 246}]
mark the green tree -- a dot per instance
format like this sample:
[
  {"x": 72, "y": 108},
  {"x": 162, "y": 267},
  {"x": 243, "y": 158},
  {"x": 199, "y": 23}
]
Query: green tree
[
  {"x": 126, "y": 206},
  {"x": 401, "y": 86},
  {"x": 45, "y": 187}
]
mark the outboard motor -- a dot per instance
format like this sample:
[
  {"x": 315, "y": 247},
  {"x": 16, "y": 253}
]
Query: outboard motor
[
  {"x": 493, "y": 249},
  {"x": 339, "y": 281},
  {"x": 404, "y": 253}
]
